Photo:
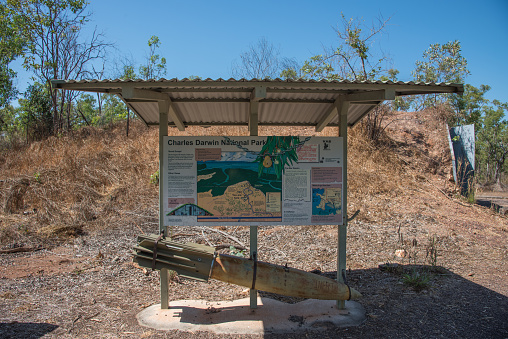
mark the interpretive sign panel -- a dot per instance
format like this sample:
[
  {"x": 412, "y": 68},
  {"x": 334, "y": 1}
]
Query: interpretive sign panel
[{"x": 275, "y": 180}]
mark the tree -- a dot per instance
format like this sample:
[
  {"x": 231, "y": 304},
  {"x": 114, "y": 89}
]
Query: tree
[
  {"x": 8, "y": 122},
  {"x": 85, "y": 105},
  {"x": 35, "y": 112},
  {"x": 441, "y": 63},
  {"x": 114, "y": 109},
  {"x": 493, "y": 141},
  {"x": 261, "y": 61},
  {"x": 354, "y": 58},
  {"x": 155, "y": 66},
  {"x": 12, "y": 45},
  {"x": 56, "y": 49},
  {"x": 469, "y": 107},
  {"x": 128, "y": 73}
]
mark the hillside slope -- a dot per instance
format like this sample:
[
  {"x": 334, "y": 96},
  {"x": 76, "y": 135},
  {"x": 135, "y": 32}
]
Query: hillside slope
[{"x": 84, "y": 197}]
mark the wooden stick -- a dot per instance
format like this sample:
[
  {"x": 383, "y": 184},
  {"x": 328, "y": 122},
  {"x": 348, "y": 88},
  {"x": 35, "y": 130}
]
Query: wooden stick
[
  {"x": 19, "y": 249},
  {"x": 235, "y": 239}
]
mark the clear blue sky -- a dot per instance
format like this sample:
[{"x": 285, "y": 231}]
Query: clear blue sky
[{"x": 203, "y": 38}]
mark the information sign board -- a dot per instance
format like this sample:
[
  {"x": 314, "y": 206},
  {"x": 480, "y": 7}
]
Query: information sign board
[{"x": 274, "y": 180}]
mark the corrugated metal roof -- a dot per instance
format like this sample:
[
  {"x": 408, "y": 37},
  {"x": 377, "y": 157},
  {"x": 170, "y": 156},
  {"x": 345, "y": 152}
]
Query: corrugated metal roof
[{"x": 281, "y": 102}]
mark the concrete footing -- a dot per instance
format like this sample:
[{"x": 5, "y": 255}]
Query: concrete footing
[{"x": 236, "y": 317}]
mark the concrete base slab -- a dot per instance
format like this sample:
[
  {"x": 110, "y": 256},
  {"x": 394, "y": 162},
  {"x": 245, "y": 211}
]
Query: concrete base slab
[{"x": 236, "y": 317}]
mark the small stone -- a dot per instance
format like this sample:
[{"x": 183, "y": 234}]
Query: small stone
[{"x": 401, "y": 253}]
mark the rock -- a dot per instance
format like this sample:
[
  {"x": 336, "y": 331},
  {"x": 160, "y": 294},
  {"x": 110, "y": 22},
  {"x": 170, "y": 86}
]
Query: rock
[{"x": 401, "y": 253}]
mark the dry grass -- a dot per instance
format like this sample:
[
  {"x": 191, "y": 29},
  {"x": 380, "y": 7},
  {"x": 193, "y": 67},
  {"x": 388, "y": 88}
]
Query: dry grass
[
  {"x": 96, "y": 178},
  {"x": 64, "y": 183}
]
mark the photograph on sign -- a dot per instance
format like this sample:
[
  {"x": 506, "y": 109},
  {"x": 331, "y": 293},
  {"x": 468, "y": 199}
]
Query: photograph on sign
[{"x": 274, "y": 180}]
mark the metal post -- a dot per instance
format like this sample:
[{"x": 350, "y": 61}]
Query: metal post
[
  {"x": 163, "y": 131},
  {"x": 253, "y": 130},
  {"x": 253, "y": 256},
  {"x": 342, "y": 108}
]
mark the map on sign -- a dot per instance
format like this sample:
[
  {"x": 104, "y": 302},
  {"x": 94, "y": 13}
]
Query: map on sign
[
  {"x": 232, "y": 190},
  {"x": 271, "y": 180},
  {"x": 326, "y": 201}
]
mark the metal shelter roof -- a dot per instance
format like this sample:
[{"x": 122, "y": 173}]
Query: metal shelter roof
[{"x": 268, "y": 102}]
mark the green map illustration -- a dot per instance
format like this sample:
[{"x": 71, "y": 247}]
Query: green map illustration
[{"x": 233, "y": 190}]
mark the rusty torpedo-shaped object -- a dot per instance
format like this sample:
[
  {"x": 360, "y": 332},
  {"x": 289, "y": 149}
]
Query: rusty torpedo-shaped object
[{"x": 201, "y": 262}]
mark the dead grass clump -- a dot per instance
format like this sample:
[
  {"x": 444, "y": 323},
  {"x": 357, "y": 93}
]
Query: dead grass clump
[
  {"x": 84, "y": 211},
  {"x": 376, "y": 177},
  {"x": 15, "y": 198},
  {"x": 60, "y": 231},
  {"x": 77, "y": 178},
  {"x": 420, "y": 139}
]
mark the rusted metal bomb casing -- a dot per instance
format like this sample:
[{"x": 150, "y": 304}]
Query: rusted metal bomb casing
[
  {"x": 279, "y": 279},
  {"x": 201, "y": 262}
]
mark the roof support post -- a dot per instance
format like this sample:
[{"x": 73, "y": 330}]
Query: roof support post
[
  {"x": 130, "y": 93},
  {"x": 330, "y": 114},
  {"x": 342, "y": 229},
  {"x": 163, "y": 131},
  {"x": 175, "y": 115},
  {"x": 375, "y": 96},
  {"x": 257, "y": 94},
  {"x": 253, "y": 118}
]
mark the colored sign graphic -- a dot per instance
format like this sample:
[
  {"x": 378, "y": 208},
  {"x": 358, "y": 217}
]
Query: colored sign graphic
[{"x": 272, "y": 180}]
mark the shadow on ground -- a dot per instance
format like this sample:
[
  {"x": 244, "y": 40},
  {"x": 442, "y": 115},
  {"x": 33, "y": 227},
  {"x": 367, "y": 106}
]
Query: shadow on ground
[
  {"x": 449, "y": 306},
  {"x": 499, "y": 205},
  {"x": 25, "y": 330},
  {"x": 446, "y": 305}
]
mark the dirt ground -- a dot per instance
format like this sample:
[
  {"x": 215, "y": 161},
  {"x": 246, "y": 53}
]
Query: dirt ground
[
  {"x": 444, "y": 262},
  {"x": 90, "y": 287}
]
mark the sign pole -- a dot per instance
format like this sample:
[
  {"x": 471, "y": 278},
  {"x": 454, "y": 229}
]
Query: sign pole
[
  {"x": 163, "y": 132},
  {"x": 253, "y": 230},
  {"x": 343, "y": 108}
]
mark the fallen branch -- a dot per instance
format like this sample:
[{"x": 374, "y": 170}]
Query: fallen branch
[
  {"x": 139, "y": 229},
  {"x": 206, "y": 239},
  {"x": 20, "y": 249},
  {"x": 235, "y": 239}
]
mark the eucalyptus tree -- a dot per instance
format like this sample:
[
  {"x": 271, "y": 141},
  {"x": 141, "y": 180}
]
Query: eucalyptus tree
[
  {"x": 57, "y": 48},
  {"x": 262, "y": 61},
  {"x": 155, "y": 65},
  {"x": 441, "y": 63},
  {"x": 12, "y": 45},
  {"x": 492, "y": 142},
  {"x": 35, "y": 112},
  {"x": 356, "y": 57}
]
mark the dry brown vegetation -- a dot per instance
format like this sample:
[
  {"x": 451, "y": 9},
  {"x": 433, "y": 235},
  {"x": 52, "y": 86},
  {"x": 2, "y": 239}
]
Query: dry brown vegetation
[
  {"x": 83, "y": 197},
  {"x": 89, "y": 178}
]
